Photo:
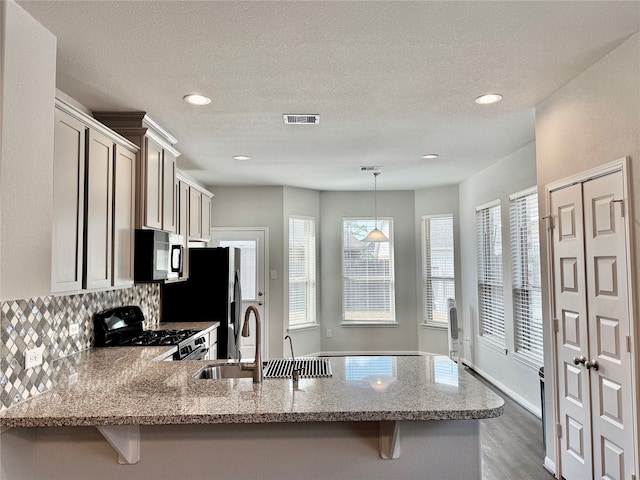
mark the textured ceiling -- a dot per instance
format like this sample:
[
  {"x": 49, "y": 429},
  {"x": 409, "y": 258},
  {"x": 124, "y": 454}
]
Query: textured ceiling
[{"x": 391, "y": 80}]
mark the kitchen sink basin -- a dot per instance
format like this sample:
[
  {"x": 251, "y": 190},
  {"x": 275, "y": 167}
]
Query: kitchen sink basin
[{"x": 222, "y": 370}]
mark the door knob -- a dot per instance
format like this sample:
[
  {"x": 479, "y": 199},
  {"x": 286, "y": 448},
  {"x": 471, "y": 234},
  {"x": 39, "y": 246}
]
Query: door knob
[
  {"x": 592, "y": 364},
  {"x": 579, "y": 360}
]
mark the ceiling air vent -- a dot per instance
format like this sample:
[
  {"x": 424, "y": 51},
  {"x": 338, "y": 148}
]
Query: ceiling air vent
[{"x": 297, "y": 119}]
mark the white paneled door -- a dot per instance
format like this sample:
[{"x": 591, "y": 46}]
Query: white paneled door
[
  {"x": 253, "y": 266},
  {"x": 593, "y": 343}
]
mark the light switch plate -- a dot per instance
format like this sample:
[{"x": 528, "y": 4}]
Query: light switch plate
[{"x": 74, "y": 329}]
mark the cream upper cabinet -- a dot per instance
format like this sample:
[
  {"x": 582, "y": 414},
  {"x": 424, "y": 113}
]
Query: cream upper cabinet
[
  {"x": 99, "y": 213},
  {"x": 206, "y": 217},
  {"x": 124, "y": 189},
  {"x": 195, "y": 213},
  {"x": 194, "y": 205},
  {"x": 159, "y": 187},
  {"x": 169, "y": 214},
  {"x": 153, "y": 184},
  {"x": 183, "y": 208},
  {"x": 93, "y": 204},
  {"x": 68, "y": 203},
  {"x": 156, "y": 197}
]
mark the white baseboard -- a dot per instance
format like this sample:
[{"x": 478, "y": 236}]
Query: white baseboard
[
  {"x": 550, "y": 465},
  {"x": 519, "y": 399}
]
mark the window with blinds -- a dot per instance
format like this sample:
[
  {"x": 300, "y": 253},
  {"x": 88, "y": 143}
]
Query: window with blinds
[
  {"x": 490, "y": 281},
  {"x": 438, "y": 280},
  {"x": 368, "y": 292},
  {"x": 527, "y": 287},
  {"x": 302, "y": 271}
]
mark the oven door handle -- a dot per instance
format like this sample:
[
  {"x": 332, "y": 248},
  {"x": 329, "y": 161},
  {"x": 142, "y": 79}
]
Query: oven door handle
[{"x": 197, "y": 354}]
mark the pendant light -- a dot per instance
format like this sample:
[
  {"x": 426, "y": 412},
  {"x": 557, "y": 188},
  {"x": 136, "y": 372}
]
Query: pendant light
[{"x": 376, "y": 234}]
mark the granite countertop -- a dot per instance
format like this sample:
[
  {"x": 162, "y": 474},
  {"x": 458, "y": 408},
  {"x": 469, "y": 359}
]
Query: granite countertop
[{"x": 125, "y": 386}]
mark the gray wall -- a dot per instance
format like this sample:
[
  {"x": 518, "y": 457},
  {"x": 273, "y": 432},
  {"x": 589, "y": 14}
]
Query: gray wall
[
  {"x": 591, "y": 121},
  {"x": 400, "y": 206},
  {"x": 435, "y": 201},
  {"x": 306, "y": 203},
  {"x": 258, "y": 207},
  {"x": 509, "y": 175},
  {"x": 26, "y": 151}
]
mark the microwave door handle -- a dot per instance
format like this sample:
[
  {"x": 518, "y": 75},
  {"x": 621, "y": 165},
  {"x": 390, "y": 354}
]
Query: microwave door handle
[{"x": 176, "y": 262}]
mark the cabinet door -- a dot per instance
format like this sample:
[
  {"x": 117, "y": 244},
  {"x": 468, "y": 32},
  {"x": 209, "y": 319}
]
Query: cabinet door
[
  {"x": 206, "y": 217},
  {"x": 183, "y": 209},
  {"x": 183, "y": 223},
  {"x": 68, "y": 203},
  {"x": 213, "y": 344},
  {"x": 168, "y": 192},
  {"x": 99, "y": 211},
  {"x": 195, "y": 213},
  {"x": 123, "y": 216},
  {"x": 153, "y": 182}
]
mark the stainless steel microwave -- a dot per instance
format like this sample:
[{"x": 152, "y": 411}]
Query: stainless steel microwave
[{"x": 159, "y": 256}]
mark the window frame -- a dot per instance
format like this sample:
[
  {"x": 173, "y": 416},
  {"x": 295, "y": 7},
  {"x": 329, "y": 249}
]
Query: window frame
[
  {"x": 490, "y": 277},
  {"x": 525, "y": 328},
  {"x": 309, "y": 280},
  {"x": 390, "y": 278},
  {"x": 427, "y": 315}
]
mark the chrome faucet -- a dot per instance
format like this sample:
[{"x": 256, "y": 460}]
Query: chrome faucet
[{"x": 257, "y": 365}]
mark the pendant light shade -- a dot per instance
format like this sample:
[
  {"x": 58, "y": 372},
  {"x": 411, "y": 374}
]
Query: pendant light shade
[{"x": 375, "y": 235}]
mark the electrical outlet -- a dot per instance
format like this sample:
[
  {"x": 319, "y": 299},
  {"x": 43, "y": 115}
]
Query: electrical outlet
[
  {"x": 328, "y": 333},
  {"x": 33, "y": 357},
  {"x": 274, "y": 274},
  {"x": 74, "y": 329},
  {"x": 73, "y": 378}
]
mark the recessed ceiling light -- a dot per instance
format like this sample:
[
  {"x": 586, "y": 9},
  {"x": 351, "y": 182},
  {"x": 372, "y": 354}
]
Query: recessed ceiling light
[
  {"x": 430, "y": 156},
  {"x": 241, "y": 157},
  {"x": 195, "y": 99},
  {"x": 488, "y": 99}
]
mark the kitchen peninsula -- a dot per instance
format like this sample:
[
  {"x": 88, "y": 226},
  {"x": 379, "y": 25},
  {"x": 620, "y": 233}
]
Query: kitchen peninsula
[{"x": 422, "y": 412}]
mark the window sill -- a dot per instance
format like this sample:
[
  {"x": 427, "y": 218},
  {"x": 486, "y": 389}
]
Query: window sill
[
  {"x": 527, "y": 360},
  {"x": 493, "y": 344},
  {"x": 368, "y": 324},
  {"x": 300, "y": 328},
  {"x": 434, "y": 326}
]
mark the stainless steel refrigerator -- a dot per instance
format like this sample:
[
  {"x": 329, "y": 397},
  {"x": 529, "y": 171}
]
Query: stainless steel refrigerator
[{"x": 212, "y": 293}]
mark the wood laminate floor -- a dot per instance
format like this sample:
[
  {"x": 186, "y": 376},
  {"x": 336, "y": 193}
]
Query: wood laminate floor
[{"x": 511, "y": 444}]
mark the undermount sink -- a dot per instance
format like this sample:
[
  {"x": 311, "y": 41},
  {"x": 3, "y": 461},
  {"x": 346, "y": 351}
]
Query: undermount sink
[{"x": 222, "y": 370}]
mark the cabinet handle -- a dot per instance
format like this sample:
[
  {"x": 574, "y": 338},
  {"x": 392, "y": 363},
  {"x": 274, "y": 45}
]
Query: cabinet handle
[
  {"x": 592, "y": 364},
  {"x": 579, "y": 360}
]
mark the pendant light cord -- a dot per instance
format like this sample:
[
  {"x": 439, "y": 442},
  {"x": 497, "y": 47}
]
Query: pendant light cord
[{"x": 375, "y": 198}]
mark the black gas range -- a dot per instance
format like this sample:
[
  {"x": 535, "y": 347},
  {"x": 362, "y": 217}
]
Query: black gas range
[{"x": 124, "y": 327}]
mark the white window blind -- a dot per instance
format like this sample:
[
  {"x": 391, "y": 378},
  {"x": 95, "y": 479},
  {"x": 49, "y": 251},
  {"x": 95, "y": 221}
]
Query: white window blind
[
  {"x": 302, "y": 271},
  {"x": 438, "y": 279},
  {"x": 368, "y": 292},
  {"x": 527, "y": 287},
  {"x": 490, "y": 281}
]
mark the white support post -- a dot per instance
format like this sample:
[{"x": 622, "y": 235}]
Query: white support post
[
  {"x": 125, "y": 440},
  {"x": 389, "y": 439}
]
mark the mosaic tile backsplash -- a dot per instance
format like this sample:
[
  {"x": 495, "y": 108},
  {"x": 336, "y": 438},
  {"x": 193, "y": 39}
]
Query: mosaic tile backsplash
[{"x": 45, "y": 321}]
